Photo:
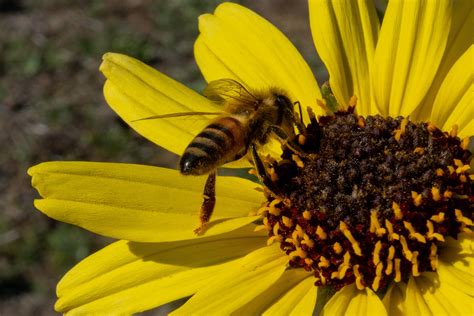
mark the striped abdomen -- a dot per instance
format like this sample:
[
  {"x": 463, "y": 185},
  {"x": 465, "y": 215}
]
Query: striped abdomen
[{"x": 220, "y": 142}]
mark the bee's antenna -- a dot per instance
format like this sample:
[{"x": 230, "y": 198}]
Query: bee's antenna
[
  {"x": 299, "y": 107},
  {"x": 300, "y": 124},
  {"x": 176, "y": 115}
]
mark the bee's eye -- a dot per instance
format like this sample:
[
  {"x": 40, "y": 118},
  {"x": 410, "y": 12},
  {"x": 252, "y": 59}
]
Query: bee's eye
[{"x": 282, "y": 100}]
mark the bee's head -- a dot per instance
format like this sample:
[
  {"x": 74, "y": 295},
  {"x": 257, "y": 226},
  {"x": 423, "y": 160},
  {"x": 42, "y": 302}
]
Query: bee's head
[
  {"x": 285, "y": 108},
  {"x": 283, "y": 102}
]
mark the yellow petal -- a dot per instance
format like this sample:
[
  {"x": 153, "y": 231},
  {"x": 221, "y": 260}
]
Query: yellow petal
[
  {"x": 236, "y": 43},
  {"x": 139, "y": 203},
  {"x": 443, "y": 298},
  {"x": 307, "y": 303},
  {"x": 462, "y": 115},
  {"x": 462, "y": 280},
  {"x": 238, "y": 286},
  {"x": 459, "y": 40},
  {"x": 394, "y": 298},
  {"x": 454, "y": 103},
  {"x": 456, "y": 263},
  {"x": 366, "y": 302},
  {"x": 455, "y": 98},
  {"x": 459, "y": 253},
  {"x": 288, "y": 280},
  {"x": 414, "y": 303},
  {"x": 135, "y": 91},
  {"x": 467, "y": 131},
  {"x": 411, "y": 44},
  {"x": 338, "y": 303},
  {"x": 345, "y": 33},
  {"x": 299, "y": 300},
  {"x": 129, "y": 277},
  {"x": 351, "y": 301},
  {"x": 463, "y": 244}
]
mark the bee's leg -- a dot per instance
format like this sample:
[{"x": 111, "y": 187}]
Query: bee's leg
[
  {"x": 284, "y": 139},
  {"x": 299, "y": 123},
  {"x": 261, "y": 171},
  {"x": 208, "y": 204}
]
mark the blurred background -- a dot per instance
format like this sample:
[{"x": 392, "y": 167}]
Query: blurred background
[{"x": 52, "y": 108}]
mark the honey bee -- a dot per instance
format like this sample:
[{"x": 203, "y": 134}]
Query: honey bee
[{"x": 248, "y": 120}]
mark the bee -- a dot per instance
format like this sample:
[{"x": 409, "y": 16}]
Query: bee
[{"x": 248, "y": 120}]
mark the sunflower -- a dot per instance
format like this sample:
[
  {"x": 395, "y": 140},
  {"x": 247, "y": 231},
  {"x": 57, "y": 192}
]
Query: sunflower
[{"x": 398, "y": 242}]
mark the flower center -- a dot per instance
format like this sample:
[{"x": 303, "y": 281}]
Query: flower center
[{"x": 368, "y": 200}]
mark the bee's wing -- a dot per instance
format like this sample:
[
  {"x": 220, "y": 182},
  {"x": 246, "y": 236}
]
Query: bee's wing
[{"x": 223, "y": 90}]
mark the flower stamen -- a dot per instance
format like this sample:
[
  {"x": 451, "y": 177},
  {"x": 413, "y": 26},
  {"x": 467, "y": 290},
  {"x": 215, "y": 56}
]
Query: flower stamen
[{"x": 347, "y": 233}]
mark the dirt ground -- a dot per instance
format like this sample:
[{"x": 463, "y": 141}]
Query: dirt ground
[{"x": 52, "y": 108}]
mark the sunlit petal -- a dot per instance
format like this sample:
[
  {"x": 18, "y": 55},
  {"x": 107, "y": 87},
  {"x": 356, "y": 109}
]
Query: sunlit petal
[
  {"x": 366, "y": 302},
  {"x": 308, "y": 300},
  {"x": 345, "y": 33},
  {"x": 463, "y": 115},
  {"x": 457, "y": 262},
  {"x": 443, "y": 298},
  {"x": 258, "y": 54},
  {"x": 135, "y": 91},
  {"x": 467, "y": 131},
  {"x": 462, "y": 280},
  {"x": 410, "y": 47},
  {"x": 351, "y": 301},
  {"x": 120, "y": 277},
  {"x": 459, "y": 40},
  {"x": 288, "y": 281},
  {"x": 457, "y": 83},
  {"x": 414, "y": 303},
  {"x": 238, "y": 286},
  {"x": 300, "y": 300},
  {"x": 139, "y": 203},
  {"x": 393, "y": 299},
  {"x": 454, "y": 103}
]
